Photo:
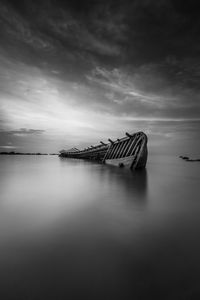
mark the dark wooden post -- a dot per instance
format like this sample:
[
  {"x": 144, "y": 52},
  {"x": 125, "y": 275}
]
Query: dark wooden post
[
  {"x": 113, "y": 155},
  {"x": 128, "y": 135},
  {"x": 110, "y": 141},
  {"x": 131, "y": 145},
  {"x": 137, "y": 140},
  {"x": 119, "y": 150},
  {"x": 118, "y": 145},
  {"x": 125, "y": 148},
  {"x": 110, "y": 149},
  {"x": 122, "y": 148}
]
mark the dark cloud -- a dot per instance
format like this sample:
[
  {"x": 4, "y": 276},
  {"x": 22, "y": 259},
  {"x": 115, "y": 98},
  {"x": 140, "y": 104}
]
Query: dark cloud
[
  {"x": 113, "y": 33},
  {"x": 22, "y": 131},
  {"x": 20, "y": 139},
  {"x": 88, "y": 59}
]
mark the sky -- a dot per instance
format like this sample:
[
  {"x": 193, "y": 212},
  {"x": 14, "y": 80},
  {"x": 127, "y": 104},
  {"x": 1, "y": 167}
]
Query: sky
[{"x": 73, "y": 73}]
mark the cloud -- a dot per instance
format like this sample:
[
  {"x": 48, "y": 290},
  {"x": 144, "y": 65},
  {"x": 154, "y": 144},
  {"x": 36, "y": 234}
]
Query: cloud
[
  {"x": 118, "y": 82},
  {"x": 18, "y": 28},
  {"x": 8, "y": 147},
  {"x": 71, "y": 68},
  {"x": 144, "y": 91},
  {"x": 22, "y": 132}
]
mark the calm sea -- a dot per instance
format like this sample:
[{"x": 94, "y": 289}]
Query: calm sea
[{"x": 72, "y": 229}]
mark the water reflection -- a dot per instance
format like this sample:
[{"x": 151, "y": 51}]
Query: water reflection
[
  {"x": 132, "y": 182},
  {"x": 73, "y": 229}
]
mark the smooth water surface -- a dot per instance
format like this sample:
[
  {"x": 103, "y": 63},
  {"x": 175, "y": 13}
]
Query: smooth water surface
[{"x": 72, "y": 229}]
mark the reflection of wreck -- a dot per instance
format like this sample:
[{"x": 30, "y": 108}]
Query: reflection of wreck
[{"x": 129, "y": 151}]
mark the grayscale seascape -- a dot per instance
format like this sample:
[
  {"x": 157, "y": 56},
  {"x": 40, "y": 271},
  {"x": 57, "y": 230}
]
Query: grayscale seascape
[
  {"x": 74, "y": 229},
  {"x": 99, "y": 150}
]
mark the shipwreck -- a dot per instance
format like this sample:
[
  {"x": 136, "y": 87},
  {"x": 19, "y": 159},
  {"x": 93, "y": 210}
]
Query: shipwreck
[{"x": 128, "y": 152}]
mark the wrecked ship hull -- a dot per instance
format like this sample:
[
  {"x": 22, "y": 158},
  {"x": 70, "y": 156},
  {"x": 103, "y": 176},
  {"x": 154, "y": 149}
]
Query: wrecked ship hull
[{"x": 129, "y": 152}]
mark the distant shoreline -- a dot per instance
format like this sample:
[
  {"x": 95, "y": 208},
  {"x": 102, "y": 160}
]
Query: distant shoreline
[{"x": 28, "y": 153}]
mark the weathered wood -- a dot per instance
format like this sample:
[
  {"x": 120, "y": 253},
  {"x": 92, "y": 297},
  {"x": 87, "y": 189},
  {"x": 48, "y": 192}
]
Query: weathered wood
[
  {"x": 135, "y": 146},
  {"x": 106, "y": 154},
  {"x": 118, "y": 151},
  {"x": 128, "y": 135},
  {"x": 122, "y": 149},
  {"x": 110, "y": 141},
  {"x": 130, "y": 151},
  {"x": 125, "y": 149},
  {"x": 115, "y": 151},
  {"x": 115, "y": 148},
  {"x": 112, "y": 149},
  {"x": 131, "y": 145},
  {"x": 140, "y": 157},
  {"x": 126, "y": 161}
]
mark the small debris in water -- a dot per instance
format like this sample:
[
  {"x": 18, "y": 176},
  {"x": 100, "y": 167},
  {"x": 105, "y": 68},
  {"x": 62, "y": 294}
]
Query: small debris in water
[{"x": 186, "y": 158}]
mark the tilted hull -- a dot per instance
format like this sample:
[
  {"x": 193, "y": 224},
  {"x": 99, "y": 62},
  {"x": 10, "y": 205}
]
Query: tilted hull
[{"x": 129, "y": 152}]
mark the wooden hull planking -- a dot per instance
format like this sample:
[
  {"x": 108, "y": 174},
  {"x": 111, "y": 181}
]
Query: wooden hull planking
[{"x": 129, "y": 152}]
